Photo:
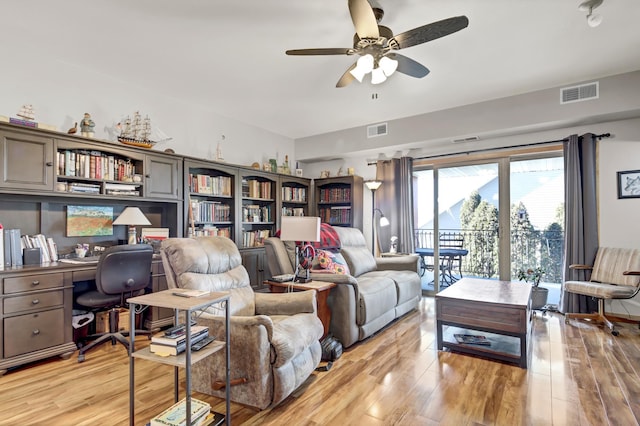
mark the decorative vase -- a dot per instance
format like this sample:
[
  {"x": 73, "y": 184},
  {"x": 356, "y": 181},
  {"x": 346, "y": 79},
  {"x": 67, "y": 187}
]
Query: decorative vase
[{"x": 539, "y": 297}]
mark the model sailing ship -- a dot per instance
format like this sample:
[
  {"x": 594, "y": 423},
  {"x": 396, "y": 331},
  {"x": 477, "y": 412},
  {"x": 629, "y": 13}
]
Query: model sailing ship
[
  {"x": 26, "y": 112},
  {"x": 136, "y": 131}
]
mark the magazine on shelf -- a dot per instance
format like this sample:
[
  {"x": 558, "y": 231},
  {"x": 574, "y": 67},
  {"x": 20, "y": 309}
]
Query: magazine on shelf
[{"x": 472, "y": 339}]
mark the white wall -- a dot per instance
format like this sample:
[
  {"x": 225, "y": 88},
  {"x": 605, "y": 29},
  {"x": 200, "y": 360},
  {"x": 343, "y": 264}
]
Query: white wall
[{"x": 61, "y": 92}]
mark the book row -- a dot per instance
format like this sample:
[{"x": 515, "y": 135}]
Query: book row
[
  {"x": 210, "y": 185},
  {"x": 254, "y": 238},
  {"x": 254, "y": 188},
  {"x": 335, "y": 195},
  {"x": 210, "y": 211},
  {"x": 94, "y": 165},
  {"x": 335, "y": 216},
  {"x": 255, "y": 213},
  {"x": 294, "y": 194}
]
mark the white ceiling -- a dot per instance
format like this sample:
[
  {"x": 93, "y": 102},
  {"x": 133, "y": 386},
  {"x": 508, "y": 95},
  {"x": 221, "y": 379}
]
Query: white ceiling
[{"x": 229, "y": 55}]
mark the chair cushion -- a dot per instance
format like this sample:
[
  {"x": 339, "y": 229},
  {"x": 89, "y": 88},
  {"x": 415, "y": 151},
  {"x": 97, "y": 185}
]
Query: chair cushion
[
  {"x": 600, "y": 290},
  {"x": 294, "y": 334}
]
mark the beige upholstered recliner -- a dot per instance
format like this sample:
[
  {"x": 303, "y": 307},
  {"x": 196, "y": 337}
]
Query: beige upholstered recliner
[
  {"x": 274, "y": 337},
  {"x": 615, "y": 274}
]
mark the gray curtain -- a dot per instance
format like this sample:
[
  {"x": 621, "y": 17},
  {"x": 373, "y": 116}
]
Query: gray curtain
[
  {"x": 395, "y": 200},
  {"x": 580, "y": 217}
]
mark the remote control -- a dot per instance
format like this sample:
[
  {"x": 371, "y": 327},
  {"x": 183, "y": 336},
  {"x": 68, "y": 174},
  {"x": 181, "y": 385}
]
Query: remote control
[
  {"x": 177, "y": 330},
  {"x": 202, "y": 343}
]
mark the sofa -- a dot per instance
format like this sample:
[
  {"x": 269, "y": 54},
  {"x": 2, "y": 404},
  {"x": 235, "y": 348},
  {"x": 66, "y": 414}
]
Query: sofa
[
  {"x": 375, "y": 292},
  {"x": 274, "y": 337}
]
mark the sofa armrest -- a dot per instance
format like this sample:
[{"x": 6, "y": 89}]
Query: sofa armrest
[
  {"x": 409, "y": 262},
  {"x": 299, "y": 302},
  {"x": 334, "y": 278}
]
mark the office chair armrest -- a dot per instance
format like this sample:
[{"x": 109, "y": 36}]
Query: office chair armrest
[
  {"x": 580, "y": 266},
  {"x": 631, "y": 273}
]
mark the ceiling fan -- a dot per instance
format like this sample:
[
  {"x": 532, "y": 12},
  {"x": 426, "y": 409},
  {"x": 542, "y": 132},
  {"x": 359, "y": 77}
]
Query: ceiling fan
[{"x": 376, "y": 45}]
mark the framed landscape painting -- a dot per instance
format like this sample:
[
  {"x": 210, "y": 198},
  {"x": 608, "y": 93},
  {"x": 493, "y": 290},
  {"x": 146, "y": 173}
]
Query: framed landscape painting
[
  {"x": 89, "y": 221},
  {"x": 629, "y": 184}
]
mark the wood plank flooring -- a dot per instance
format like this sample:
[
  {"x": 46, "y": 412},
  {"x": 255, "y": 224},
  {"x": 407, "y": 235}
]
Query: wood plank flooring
[{"x": 579, "y": 375}]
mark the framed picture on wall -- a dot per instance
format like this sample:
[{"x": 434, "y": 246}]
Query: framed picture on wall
[
  {"x": 629, "y": 184},
  {"x": 89, "y": 221}
]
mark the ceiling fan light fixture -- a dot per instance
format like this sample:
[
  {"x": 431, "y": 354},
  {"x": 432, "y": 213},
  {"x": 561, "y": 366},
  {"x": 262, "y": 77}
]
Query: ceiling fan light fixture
[
  {"x": 593, "y": 20},
  {"x": 363, "y": 67},
  {"x": 378, "y": 76},
  {"x": 388, "y": 65}
]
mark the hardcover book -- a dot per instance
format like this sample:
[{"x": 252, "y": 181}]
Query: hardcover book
[
  {"x": 196, "y": 331},
  {"x": 472, "y": 339},
  {"x": 160, "y": 349},
  {"x": 176, "y": 415}
]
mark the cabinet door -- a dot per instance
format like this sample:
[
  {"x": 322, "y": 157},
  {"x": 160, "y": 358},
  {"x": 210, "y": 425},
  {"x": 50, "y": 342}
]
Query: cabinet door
[
  {"x": 254, "y": 261},
  {"x": 26, "y": 161},
  {"x": 162, "y": 175}
]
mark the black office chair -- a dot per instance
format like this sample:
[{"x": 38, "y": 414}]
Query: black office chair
[{"x": 123, "y": 271}]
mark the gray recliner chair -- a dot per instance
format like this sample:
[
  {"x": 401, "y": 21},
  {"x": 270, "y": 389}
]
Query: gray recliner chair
[{"x": 274, "y": 337}]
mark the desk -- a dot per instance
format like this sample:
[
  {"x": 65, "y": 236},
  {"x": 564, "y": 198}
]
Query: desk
[
  {"x": 447, "y": 257},
  {"x": 37, "y": 310}
]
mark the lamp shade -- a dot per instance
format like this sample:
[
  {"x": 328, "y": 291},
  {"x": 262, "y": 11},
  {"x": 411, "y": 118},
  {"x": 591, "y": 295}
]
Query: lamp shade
[
  {"x": 132, "y": 216},
  {"x": 300, "y": 228},
  {"x": 373, "y": 184},
  {"x": 384, "y": 221}
]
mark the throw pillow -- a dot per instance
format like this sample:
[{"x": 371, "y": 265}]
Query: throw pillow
[{"x": 330, "y": 263}]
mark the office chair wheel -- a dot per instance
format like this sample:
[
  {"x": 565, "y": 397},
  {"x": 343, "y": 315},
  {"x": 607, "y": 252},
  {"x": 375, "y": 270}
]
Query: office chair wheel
[
  {"x": 80, "y": 358},
  {"x": 615, "y": 332}
]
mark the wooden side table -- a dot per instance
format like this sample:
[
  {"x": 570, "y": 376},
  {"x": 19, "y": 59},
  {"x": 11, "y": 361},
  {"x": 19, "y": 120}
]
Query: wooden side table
[{"x": 322, "y": 292}]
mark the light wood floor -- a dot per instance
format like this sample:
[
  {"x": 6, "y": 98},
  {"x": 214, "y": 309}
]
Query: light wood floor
[{"x": 579, "y": 375}]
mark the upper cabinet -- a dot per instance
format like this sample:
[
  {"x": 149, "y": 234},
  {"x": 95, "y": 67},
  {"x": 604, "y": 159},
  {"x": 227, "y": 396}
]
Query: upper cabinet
[
  {"x": 211, "y": 199},
  {"x": 258, "y": 208},
  {"x": 26, "y": 160},
  {"x": 338, "y": 200},
  {"x": 163, "y": 177}
]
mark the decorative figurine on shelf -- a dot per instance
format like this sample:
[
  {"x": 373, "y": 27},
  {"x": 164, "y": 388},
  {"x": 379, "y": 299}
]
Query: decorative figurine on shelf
[
  {"x": 219, "y": 156},
  {"x": 74, "y": 129},
  {"x": 285, "y": 166},
  {"x": 393, "y": 248},
  {"x": 26, "y": 112},
  {"x": 87, "y": 125}
]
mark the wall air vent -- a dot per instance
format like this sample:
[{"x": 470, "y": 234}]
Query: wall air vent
[
  {"x": 583, "y": 92},
  {"x": 469, "y": 139},
  {"x": 377, "y": 130}
]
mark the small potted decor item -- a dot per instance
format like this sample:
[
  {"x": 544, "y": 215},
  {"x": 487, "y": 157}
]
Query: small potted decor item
[{"x": 538, "y": 294}]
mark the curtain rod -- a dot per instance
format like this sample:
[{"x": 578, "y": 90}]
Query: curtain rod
[{"x": 429, "y": 157}]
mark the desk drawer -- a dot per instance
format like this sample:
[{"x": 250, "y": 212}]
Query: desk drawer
[
  {"x": 32, "y": 282},
  {"x": 33, "y": 301},
  {"x": 32, "y": 332}
]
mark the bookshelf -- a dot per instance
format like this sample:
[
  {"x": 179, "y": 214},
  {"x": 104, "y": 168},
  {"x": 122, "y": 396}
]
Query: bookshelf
[
  {"x": 338, "y": 200},
  {"x": 258, "y": 209},
  {"x": 295, "y": 193},
  {"x": 210, "y": 207}
]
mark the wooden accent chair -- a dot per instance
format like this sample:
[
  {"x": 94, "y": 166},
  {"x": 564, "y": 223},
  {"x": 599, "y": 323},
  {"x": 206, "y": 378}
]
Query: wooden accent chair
[{"x": 615, "y": 274}]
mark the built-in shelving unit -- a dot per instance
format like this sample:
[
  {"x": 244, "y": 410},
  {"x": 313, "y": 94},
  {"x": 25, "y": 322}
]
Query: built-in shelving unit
[
  {"x": 338, "y": 200},
  {"x": 211, "y": 206},
  {"x": 294, "y": 196},
  {"x": 258, "y": 210}
]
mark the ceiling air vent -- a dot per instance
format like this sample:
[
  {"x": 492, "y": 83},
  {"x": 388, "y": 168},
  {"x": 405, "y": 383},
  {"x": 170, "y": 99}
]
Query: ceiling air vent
[
  {"x": 579, "y": 93},
  {"x": 377, "y": 130}
]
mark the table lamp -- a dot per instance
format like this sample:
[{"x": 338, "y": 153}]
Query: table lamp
[
  {"x": 132, "y": 216},
  {"x": 302, "y": 230}
]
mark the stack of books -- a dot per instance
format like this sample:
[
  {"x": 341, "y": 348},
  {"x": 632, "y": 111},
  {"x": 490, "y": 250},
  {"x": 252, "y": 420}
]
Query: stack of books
[
  {"x": 175, "y": 344},
  {"x": 176, "y": 415}
]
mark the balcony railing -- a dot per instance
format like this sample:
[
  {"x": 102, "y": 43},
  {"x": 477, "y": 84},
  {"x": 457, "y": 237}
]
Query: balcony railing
[{"x": 534, "y": 249}]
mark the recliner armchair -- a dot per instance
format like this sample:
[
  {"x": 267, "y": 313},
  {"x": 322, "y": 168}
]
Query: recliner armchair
[
  {"x": 615, "y": 274},
  {"x": 274, "y": 337}
]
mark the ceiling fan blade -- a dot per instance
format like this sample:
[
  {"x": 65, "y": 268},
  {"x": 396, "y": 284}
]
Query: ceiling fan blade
[
  {"x": 347, "y": 77},
  {"x": 327, "y": 51},
  {"x": 363, "y": 19},
  {"x": 408, "y": 66},
  {"x": 429, "y": 32}
]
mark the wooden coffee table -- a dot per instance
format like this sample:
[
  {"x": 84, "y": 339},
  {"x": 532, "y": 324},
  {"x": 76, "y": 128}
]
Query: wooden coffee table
[{"x": 498, "y": 310}]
